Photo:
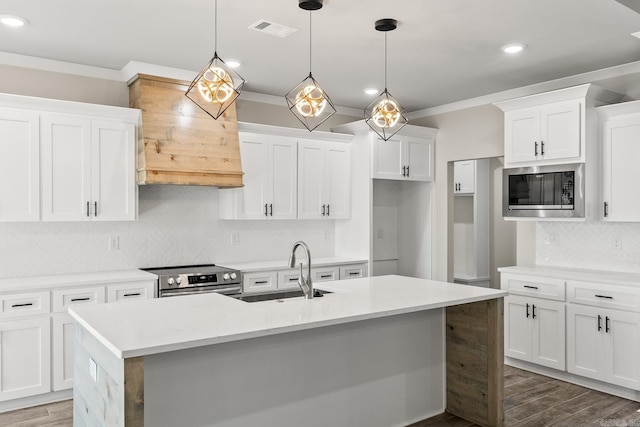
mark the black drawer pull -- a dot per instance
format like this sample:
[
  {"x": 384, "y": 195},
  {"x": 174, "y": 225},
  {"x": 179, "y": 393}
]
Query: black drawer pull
[
  {"x": 26, "y": 304},
  {"x": 530, "y": 287},
  {"x": 261, "y": 282},
  {"x": 533, "y": 311},
  {"x": 136, "y": 294},
  {"x": 354, "y": 273},
  {"x": 326, "y": 276},
  {"x": 293, "y": 279},
  {"x": 606, "y": 324},
  {"x": 527, "y": 311},
  {"x": 604, "y": 296},
  {"x": 599, "y": 322},
  {"x": 80, "y": 299}
]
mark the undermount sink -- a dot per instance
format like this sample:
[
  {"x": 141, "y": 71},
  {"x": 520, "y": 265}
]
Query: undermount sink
[{"x": 280, "y": 295}]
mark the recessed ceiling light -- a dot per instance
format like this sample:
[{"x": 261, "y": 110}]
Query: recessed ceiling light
[
  {"x": 513, "y": 47},
  {"x": 13, "y": 20},
  {"x": 232, "y": 64},
  {"x": 371, "y": 91}
]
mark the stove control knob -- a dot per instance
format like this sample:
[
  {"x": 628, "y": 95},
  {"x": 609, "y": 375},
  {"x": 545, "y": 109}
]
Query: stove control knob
[
  {"x": 178, "y": 280},
  {"x": 170, "y": 281},
  {"x": 225, "y": 276},
  {"x": 233, "y": 276}
]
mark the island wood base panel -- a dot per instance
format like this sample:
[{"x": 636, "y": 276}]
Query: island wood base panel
[{"x": 475, "y": 354}]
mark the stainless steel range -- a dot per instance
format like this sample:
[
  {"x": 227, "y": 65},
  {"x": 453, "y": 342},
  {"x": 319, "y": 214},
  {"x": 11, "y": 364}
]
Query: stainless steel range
[{"x": 196, "y": 279}]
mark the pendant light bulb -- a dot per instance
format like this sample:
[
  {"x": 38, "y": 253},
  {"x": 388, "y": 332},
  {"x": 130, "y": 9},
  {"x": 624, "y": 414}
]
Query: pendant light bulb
[
  {"x": 385, "y": 115},
  {"x": 217, "y": 85},
  {"x": 308, "y": 101}
]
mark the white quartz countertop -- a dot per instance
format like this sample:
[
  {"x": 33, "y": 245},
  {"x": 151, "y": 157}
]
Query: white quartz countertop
[
  {"x": 143, "y": 327},
  {"x": 598, "y": 276},
  {"x": 249, "y": 267},
  {"x": 14, "y": 284}
]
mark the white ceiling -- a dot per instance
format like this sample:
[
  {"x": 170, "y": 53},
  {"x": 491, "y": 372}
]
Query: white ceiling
[{"x": 443, "y": 50}]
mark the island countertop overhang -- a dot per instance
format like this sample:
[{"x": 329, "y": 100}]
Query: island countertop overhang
[{"x": 140, "y": 328}]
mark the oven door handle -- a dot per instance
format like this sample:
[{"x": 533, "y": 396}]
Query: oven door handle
[{"x": 173, "y": 293}]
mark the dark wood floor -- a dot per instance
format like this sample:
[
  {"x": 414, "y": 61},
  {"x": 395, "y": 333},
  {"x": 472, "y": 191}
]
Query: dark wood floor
[
  {"x": 535, "y": 400},
  {"x": 530, "y": 400}
]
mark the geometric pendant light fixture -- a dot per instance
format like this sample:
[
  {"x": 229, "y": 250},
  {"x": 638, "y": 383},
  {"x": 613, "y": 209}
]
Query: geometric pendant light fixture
[
  {"x": 217, "y": 86},
  {"x": 385, "y": 115},
  {"x": 308, "y": 101}
]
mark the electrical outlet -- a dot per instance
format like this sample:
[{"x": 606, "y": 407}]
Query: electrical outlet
[
  {"x": 93, "y": 370},
  {"x": 550, "y": 239},
  {"x": 235, "y": 238},
  {"x": 114, "y": 243},
  {"x": 617, "y": 243}
]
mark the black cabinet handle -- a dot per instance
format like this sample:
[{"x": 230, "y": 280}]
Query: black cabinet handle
[
  {"x": 354, "y": 273},
  {"x": 323, "y": 210},
  {"x": 95, "y": 208},
  {"x": 533, "y": 310},
  {"x": 293, "y": 279},
  {"x": 88, "y": 214},
  {"x": 265, "y": 210},
  {"x": 527, "y": 311},
  {"x": 271, "y": 209},
  {"x": 530, "y": 287},
  {"x": 26, "y": 304},
  {"x": 603, "y": 296},
  {"x": 80, "y": 299},
  {"x": 407, "y": 171},
  {"x": 137, "y": 294},
  {"x": 606, "y": 324},
  {"x": 261, "y": 282},
  {"x": 542, "y": 148},
  {"x": 404, "y": 168},
  {"x": 328, "y": 212},
  {"x": 325, "y": 276},
  {"x": 599, "y": 323},
  {"x": 606, "y": 209},
  {"x": 536, "y": 149}
]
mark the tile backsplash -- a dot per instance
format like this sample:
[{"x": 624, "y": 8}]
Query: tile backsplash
[
  {"x": 177, "y": 225},
  {"x": 591, "y": 245}
]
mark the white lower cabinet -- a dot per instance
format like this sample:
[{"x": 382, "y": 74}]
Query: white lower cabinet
[
  {"x": 353, "y": 271},
  {"x": 535, "y": 330},
  {"x": 25, "y": 361},
  {"x": 604, "y": 344},
  {"x": 262, "y": 281},
  {"x": 62, "y": 351}
]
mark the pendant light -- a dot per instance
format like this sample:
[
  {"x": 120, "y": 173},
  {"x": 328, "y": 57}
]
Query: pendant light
[
  {"x": 217, "y": 86},
  {"x": 308, "y": 101},
  {"x": 385, "y": 115}
]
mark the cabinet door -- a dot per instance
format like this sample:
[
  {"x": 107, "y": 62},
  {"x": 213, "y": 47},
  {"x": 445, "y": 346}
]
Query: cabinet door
[
  {"x": 464, "y": 177},
  {"x": 418, "y": 159},
  {"x": 560, "y": 131},
  {"x": 622, "y": 330},
  {"x": 62, "y": 351},
  {"x": 284, "y": 178},
  {"x": 25, "y": 358},
  {"x": 521, "y": 132},
  {"x": 19, "y": 166},
  {"x": 66, "y": 168},
  {"x": 621, "y": 174},
  {"x": 254, "y": 196},
  {"x": 337, "y": 173},
  {"x": 113, "y": 171},
  {"x": 311, "y": 180},
  {"x": 548, "y": 321},
  {"x": 585, "y": 341},
  {"x": 387, "y": 159},
  {"x": 517, "y": 328}
]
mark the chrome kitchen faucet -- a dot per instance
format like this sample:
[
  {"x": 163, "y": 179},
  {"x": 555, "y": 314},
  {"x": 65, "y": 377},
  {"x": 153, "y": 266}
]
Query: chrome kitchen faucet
[{"x": 305, "y": 283}]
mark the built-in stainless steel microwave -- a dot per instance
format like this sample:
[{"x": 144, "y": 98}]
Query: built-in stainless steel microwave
[{"x": 544, "y": 192}]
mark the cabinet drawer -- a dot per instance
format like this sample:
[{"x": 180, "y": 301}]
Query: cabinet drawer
[
  {"x": 353, "y": 271},
  {"x": 324, "y": 274},
  {"x": 535, "y": 286},
  {"x": 259, "y": 282},
  {"x": 130, "y": 291},
  {"x": 24, "y": 304},
  {"x": 597, "y": 294},
  {"x": 63, "y": 298},
  {"x": 288, "y": 279}
]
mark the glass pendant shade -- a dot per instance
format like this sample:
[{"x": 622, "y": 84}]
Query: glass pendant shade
[
  {"x": 310, "y": 103},
  {"x": 216, "y": 87},
  {"x": 385, "y": 115}
]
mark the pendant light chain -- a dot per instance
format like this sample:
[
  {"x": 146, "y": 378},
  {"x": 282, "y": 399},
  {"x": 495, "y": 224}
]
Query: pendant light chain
[
  {"x": 385, "y": 61},
  {"x": 215, "y": 29},
  {"x": 310, "y": 30}
]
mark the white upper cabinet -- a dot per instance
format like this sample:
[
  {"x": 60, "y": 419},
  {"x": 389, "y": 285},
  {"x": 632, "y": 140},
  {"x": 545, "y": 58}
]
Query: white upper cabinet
[
  {"x": 403, "y": 158},
  {"x": 621, "y": 151},
  {"x": 19, "y": 166},
  {"x": 551, "y": 128},
  {"x": 464, "y": 177},
  {"x": 88, "y": 169},
  {"x": 324, "y": 180},
  {"x": 270, "y": 175}
]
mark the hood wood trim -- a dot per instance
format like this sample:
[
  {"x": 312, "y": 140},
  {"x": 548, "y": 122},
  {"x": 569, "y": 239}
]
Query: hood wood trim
[{"x": 178, "y": 143}]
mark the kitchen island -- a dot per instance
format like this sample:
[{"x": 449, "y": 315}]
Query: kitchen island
[{"x": 373, "y": 352}]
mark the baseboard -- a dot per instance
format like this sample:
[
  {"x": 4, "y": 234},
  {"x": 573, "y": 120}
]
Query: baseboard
[{"x": 40, "y": 399}]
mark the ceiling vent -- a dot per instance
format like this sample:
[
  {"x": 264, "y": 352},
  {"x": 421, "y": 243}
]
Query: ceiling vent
[{"x": 272, "y": 28}]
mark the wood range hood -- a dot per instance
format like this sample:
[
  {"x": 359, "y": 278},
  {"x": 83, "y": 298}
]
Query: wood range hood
[{"x": 178, "y": 143}]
